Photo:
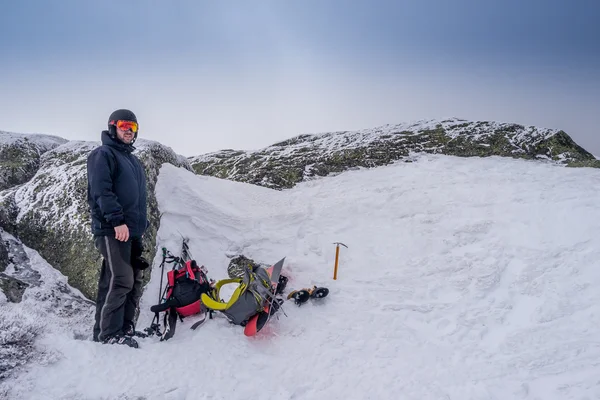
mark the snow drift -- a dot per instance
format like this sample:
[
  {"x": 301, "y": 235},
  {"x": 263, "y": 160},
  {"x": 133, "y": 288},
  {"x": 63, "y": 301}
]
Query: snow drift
[{"x": 463, "y": 279}]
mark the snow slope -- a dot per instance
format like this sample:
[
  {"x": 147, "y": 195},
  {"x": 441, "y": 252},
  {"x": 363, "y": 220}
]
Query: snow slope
[
  {"x": 49, "y": 306},
  {"x": 464, "y": 279}
]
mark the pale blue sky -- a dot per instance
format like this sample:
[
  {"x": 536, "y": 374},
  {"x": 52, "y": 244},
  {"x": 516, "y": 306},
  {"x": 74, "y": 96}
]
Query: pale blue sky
[{"x": 203, "y": 76}]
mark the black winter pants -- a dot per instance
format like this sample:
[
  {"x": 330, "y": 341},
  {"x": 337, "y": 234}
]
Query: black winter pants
[{"x": 119, "y": 286}]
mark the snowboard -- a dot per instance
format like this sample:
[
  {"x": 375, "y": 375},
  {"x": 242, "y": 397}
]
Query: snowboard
[
  {"x": 258, "y": 321},
  {"x": 301, "y": 296},
  {"x": 278, "y": 284}
]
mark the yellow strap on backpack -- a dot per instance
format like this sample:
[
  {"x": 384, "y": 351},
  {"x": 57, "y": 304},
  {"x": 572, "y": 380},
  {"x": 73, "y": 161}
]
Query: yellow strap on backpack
[{"x": 218, "y": 305}]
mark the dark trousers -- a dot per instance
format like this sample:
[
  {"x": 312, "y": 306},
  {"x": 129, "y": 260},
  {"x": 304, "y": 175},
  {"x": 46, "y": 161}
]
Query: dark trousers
[{"x": 119, "y": 287}]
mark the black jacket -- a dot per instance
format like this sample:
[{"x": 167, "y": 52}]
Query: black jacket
[{"x": 116, "y": 188}]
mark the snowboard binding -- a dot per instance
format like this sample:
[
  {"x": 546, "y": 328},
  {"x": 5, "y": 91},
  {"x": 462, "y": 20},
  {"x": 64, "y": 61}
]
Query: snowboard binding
[
  {"x": 301, "y": 296},
  {"x": 318, "y": 292},
  {"x": 283, "y": 280}
]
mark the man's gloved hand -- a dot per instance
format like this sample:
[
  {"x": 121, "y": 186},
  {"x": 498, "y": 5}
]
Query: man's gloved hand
[
  {"x": 137, "y": 260},
  {"x": 140, "y": 263}
]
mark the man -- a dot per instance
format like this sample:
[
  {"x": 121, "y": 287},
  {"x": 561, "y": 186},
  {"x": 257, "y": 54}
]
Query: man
[{"x": 117, "y": 201}]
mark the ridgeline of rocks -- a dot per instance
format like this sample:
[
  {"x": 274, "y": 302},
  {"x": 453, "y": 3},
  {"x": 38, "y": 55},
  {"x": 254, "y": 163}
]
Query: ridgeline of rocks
[{"x": 43, "y": 178}]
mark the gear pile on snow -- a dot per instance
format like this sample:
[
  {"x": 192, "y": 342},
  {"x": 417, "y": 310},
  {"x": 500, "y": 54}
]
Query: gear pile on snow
[
  {"x": 189, "y": 292},
  {"x": 250, "y": 297}
]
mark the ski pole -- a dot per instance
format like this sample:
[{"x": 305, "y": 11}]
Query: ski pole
[
  {"x": 162, "y": 272},
  {"x": 154, "y": 327},
  {"x": 337, "y": 256}
]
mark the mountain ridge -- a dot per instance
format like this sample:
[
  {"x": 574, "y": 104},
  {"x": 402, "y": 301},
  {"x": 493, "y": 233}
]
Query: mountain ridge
[
  {"x": 43, "y": 199},
  {"x": 307, "y": 156}
]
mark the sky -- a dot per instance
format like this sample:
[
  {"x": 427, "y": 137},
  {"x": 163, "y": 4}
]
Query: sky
[{"x": 206, "y": 75}]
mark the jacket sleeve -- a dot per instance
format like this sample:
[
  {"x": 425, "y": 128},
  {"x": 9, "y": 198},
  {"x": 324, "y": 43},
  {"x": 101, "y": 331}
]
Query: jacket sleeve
[{"x": 99, "y": 167}]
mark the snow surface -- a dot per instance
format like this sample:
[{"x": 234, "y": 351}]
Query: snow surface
[
  {"x": 464, "y": 279},
  {"x": 49, "y": 306}
]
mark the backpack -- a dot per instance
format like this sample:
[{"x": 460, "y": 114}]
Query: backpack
[
  {"x": 186, "y": 283},
  {"x": 253, "y": 293},
  {"x": 184, "y": 288}
]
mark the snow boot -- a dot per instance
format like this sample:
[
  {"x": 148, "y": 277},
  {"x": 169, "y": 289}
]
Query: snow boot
[
  {"x": 130, "y": 331},
  {"x": 122, "y": 339}
]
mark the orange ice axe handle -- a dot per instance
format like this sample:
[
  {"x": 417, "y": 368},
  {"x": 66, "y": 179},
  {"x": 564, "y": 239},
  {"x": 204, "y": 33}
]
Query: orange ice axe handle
[{"x": 337, "y": 257}]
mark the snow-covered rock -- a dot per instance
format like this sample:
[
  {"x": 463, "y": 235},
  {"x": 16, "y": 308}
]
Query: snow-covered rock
[
  {"x": 39, "y": 301},
  {"x": 305, "y": 157},
  {"x": 20, "y": 155}
]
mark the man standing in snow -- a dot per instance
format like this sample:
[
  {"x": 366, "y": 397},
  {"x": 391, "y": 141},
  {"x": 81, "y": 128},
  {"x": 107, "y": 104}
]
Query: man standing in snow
[{"x": 117, "y": 201}]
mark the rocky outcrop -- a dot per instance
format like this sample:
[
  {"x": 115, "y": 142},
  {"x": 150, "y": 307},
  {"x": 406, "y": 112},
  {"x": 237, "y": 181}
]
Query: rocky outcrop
[
  {"x": 304, "y": 157},
  {"x": 12, "y": 288},
  {"x": 20, "y": 156},
  {"x": 50, "y": 212},
  {"x": 3, "y": 254}
]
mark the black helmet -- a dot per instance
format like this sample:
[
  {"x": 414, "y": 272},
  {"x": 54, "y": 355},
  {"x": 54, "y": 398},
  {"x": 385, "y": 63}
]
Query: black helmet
[{"x": 124, "y": 115}]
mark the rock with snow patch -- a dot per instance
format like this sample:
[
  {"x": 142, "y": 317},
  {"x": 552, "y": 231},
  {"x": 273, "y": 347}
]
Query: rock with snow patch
[
  {"x": 20, "y": 156},
  {"x": 304, "y": 157},
  {"x": 11, "y": 287},
  {"x": 240, "y": 263},
  {"x": 3, "y": 254}
]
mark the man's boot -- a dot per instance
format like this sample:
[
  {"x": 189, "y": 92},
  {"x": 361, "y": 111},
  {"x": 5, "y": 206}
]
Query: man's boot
[{"x": 122, "y": 339}]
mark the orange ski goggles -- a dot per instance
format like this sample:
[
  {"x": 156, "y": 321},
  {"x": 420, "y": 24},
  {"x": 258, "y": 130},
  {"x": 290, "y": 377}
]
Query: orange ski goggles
[{"x": 125, "y": 125}]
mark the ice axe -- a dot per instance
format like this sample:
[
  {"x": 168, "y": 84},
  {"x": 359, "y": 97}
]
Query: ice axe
[{"x": 337, "y": 256}]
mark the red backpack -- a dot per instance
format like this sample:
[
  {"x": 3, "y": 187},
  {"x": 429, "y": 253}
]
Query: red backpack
[
  {"x": 184, "y": 288},
  {"x": 181, "y": 296}
]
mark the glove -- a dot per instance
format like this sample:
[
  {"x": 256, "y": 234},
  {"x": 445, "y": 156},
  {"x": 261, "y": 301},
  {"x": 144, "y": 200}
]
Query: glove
[
  {"x": 137, "y": 247},
  {"x": 137, "y": 260},
  {"x": 140, "y": 263}
]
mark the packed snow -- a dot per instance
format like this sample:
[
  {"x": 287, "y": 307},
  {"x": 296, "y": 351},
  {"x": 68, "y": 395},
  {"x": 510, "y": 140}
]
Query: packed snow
[
  {"x": 464, "y": 278},
  {"x": 49, "y": 306}
]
